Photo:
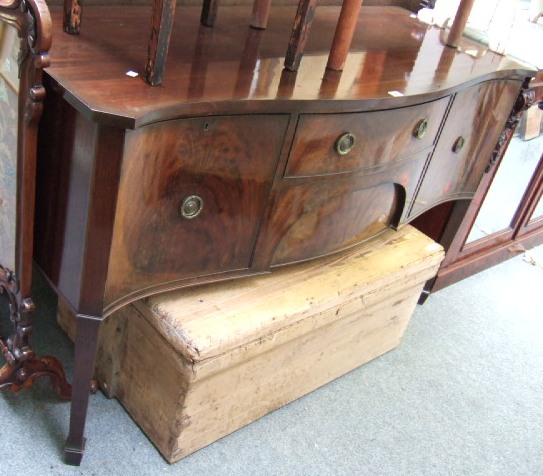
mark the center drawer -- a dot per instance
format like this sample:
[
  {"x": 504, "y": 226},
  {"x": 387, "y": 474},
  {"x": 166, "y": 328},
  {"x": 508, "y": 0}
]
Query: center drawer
[{"x": 336, "y": 143}]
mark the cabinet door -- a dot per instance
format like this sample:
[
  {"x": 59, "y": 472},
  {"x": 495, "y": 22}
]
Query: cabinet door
[
  {"x": 191, "y": 198},
  {"x": 471, "y": 131}
]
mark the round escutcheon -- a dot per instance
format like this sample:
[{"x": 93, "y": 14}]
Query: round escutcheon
[
  {"x": 345, "y": 143},
  {"x": 191, "y": 207},
  {"x": 420, "y": 128},
  {"x": 459, "y": 145}
]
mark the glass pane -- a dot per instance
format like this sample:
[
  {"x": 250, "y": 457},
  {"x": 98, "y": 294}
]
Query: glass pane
[
  {"x": 9, "y": 85},
  {"x": 538, "y": 212},
  {"x": 508, "y": 187}
]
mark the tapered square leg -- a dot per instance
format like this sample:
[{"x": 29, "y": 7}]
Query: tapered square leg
[{"x": 86, "y": 340}]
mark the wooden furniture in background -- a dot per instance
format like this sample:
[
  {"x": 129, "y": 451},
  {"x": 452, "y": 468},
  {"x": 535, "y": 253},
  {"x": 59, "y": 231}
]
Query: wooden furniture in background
[
  {"x": 343, "y": 36},
  {"x": 25, "y": 39},
  {"x": 162, "y": 21},
  {"x": 459, "y": 24},
  {"x": 192, "y": 366},
  {"x": 235, "y": 166}
]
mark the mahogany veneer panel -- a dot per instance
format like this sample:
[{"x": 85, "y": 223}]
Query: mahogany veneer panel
[
  {"x": 229, "y": 162},
  {"x": 380, "y": 138},
  {"x": 476, "y": 117}
]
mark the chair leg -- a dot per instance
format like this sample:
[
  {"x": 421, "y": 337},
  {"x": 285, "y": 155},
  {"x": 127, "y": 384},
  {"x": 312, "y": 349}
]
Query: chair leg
[
  {"x": 261, "y": 12},
  {"x": 343, "y": 35},
  {"x": 72, "y": 16},
  {"x": 209, "y": 12},
  {"x": 86, "y": 341},
  {"x": 159, "y": 41},
  {"x": 299, "y": 34}
]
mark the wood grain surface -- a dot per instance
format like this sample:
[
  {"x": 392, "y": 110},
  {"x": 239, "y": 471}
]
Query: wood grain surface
[
  {"x": 229, "y": 162},
  {"x": 195, "y": 365},
  {"x": 255, "y": 142},
  {"x": 409, "y": 66},
  {"x": 477, "y": 115},
  {"x": 380, "y": 139}
]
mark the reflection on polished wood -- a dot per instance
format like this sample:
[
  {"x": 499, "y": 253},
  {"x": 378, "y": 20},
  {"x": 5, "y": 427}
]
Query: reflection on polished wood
[{"x": 108, "y": 94}]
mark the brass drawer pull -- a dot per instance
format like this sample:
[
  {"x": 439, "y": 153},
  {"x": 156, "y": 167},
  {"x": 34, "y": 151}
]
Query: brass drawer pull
[
  {"x": 191, "y": 207},
  {"x": 420, "y": 128},
  {"x": 458, "y": 145},
  {"x": 345, "y": 143}
]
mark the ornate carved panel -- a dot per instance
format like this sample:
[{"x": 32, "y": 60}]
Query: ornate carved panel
[{"x": 25, "y": 39}]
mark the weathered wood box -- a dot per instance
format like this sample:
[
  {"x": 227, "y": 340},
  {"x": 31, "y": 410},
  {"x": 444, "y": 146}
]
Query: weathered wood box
[{"x": 192, "y": 366}]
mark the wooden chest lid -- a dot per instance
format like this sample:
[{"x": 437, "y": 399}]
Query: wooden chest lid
[{"x": 210, "y": 320}]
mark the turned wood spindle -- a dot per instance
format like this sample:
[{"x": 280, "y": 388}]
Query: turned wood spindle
[
  {"x": 343, "y": 36},
  {"x": 261, "y": 12},
  {"x": 159, "y": 41},
  {"x": 299, "y": 34},
  {"x": 459, "y": 23}
]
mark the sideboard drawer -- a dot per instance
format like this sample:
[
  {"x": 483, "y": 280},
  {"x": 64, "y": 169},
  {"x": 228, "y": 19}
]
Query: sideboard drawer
[
  {"x": 191, "y": 197},
  {"x": 469, "y": 136},
  {"x": 336, "y": 143}
]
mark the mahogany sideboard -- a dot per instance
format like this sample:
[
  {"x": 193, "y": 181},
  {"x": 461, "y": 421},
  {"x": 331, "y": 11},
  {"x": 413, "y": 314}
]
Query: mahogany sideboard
[{"x": 235, "y": 166}]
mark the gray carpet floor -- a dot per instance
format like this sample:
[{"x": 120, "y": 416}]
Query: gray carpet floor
[{"x": 462, "y": 395}]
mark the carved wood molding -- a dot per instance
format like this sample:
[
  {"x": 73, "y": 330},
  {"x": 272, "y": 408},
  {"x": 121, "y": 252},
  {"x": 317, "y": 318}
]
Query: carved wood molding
[
  {"x": 32, "y": 21},
  {"x": 525, "y": 100},
  {"x": 23, "y": 367}
]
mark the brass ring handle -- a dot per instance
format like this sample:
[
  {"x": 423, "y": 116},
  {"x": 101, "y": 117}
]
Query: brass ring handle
[
  {"x": 191, "y": 207},
  {"x": 345, "y": 143},
  {"x": 459, "y": 145},
  {"x": 420, "y": 128}
]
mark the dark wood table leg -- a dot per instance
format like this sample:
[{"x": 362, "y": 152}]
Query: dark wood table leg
[
  {"x": 159, "y": 41},
  {"x": 209, "y": 12},
  {"x": 86, "y": 340}
]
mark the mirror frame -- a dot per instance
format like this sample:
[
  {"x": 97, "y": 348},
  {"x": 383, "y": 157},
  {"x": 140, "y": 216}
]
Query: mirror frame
[{"x": 32, "y": 20}]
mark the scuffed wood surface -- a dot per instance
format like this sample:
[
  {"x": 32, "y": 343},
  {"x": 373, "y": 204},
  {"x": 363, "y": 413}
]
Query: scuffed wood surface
[{"x": 210, "y": 320}]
